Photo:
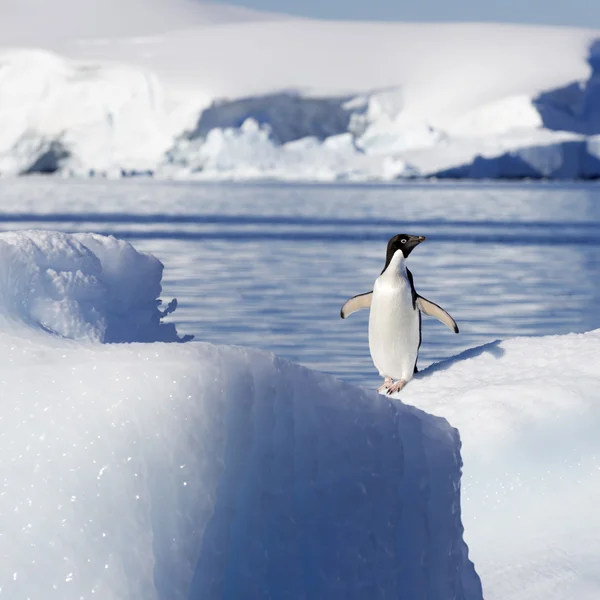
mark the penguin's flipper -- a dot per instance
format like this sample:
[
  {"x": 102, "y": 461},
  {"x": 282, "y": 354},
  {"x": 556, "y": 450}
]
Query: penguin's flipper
[
  {"x": 356, "y": 303},
  {"x": 433, "y": 310}
]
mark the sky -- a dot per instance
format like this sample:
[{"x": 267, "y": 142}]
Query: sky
[{"x": 583, "y": 13}]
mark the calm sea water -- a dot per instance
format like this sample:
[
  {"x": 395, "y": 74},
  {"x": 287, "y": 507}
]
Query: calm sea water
[{"x": 270, "y": 265}]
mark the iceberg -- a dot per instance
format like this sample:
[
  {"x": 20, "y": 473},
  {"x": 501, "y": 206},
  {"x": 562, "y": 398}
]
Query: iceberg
[
  {"x": 134, "y": 467},
  {"x": 186, "y": 470},
  {"x": 528, "y": 413}
]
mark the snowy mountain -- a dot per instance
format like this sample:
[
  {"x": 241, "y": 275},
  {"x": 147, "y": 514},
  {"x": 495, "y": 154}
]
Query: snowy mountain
[
  {"x": 156, "y": 470},
  {"x": 185, "y": 89}
]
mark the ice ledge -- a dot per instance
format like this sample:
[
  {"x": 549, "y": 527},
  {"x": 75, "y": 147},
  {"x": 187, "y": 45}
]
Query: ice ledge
[
  {"x": 163, "y": 471},
  {"x": 528, "y": 412},
  {"x": 190, "y": 471}
]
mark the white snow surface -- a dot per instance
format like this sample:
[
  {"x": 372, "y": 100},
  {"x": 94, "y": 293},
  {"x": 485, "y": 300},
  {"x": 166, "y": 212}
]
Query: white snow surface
[
  {"x": 82, "y": 286},
  {"x": 156, "y": 470},
  {"x": 528, "y": 413},
  {"x": 176, "y": 471},
  {"x": 188, "y": 89}
]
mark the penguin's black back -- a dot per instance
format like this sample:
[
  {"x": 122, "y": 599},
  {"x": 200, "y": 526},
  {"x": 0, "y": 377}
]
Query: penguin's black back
[{"x": 414, "y": 301}]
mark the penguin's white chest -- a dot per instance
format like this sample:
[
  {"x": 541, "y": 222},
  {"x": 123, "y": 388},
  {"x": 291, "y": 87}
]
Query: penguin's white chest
[{"x": 394, "y": 327}]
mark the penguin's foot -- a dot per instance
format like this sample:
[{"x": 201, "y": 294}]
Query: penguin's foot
[
  {"x": 396, "y": 387},
  {"x": 386, "y": 384}
]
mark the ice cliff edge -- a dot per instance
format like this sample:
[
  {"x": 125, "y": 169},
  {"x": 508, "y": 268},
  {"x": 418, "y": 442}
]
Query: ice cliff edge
[{"x": 155, "y": 471}]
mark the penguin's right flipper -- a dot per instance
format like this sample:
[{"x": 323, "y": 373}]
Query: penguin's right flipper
[
  {"x": 433, "y": 310},
  {"x": 356, "y": 303}
]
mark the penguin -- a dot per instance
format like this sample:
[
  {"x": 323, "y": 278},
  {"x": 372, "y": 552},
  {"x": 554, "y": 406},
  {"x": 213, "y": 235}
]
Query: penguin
[{"x": 395, "y": 315}]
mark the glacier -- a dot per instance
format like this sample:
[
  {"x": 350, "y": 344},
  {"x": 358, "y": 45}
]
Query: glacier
[
  {"x": 200, "y": 91},
  {"x": 163, "y": 470}
]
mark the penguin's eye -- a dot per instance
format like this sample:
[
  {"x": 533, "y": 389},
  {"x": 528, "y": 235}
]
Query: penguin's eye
[{"x": 403, "y": 241}]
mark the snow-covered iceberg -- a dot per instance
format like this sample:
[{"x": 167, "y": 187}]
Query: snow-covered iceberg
[
  {"x": 180, "y": 88},
  {"x": 192, "y": 471},
  {"x": 528, "y": 413},
  {"x": 187, "y": 470}
]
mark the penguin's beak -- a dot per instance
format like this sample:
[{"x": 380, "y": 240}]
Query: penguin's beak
[{"x": 414, "y": 241}]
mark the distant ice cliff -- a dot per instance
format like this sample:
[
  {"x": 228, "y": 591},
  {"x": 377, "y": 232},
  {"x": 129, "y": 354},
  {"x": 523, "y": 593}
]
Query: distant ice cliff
[{"x": 240, "y": 95}]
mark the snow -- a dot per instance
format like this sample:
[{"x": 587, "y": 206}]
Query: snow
[
  {"x": 248, "y": 152},
  {"x": 528, "y": 413},
  {"x": 156, "y": 470},
  {"x": 27, "y": 22},
  {"x": 83, "y": 286},
  {"x": 188, "y": 470},
  {"x": 172, "y": 88}
]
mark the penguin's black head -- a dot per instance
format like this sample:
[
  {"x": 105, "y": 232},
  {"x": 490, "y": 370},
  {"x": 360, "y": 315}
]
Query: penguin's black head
[{"x": 404, "y": 242}]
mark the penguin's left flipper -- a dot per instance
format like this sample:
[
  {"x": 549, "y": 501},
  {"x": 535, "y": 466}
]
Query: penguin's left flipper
[
  {"x": 433, "y": 310},
  {"x": 356, "y": 303}
]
